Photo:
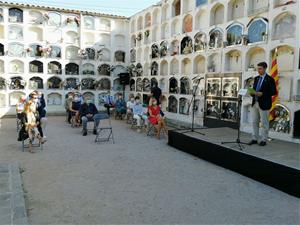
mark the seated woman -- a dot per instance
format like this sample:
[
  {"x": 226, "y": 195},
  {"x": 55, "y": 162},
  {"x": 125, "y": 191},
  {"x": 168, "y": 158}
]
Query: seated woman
[
  {"x": 20, "y": 107},
  {"x": 32, "y": 124},
  {"x": 74, "y": 109},
  {"x": 120, "y": 107},
  {"x": 138, "y": 113},
  {"x": 155, "y": 117},
  {"x": 68, "y": 102}
]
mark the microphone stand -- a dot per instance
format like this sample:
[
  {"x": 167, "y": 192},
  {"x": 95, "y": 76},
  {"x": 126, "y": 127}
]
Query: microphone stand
[
  {"x": 193, "y": 103},
  {"x": 238, "y": 141}
]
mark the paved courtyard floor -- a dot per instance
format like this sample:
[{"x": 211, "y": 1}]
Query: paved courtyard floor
[{"x": 138, "y": 180}]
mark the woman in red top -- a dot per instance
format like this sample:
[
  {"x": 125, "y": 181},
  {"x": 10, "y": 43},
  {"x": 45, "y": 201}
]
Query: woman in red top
[{"x": 155, "y": 117}]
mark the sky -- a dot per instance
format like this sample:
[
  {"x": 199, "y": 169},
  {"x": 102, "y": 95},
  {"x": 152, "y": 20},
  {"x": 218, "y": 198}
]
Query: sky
[{"x": 117, "y": 7}]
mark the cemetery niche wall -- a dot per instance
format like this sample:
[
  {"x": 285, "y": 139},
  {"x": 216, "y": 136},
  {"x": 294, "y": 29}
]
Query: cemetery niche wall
[{"x": 173, "y": 42}]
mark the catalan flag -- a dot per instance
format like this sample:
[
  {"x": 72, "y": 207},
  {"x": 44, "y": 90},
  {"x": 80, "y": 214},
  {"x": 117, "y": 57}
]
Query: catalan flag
[{"x": 274, "y": 74}]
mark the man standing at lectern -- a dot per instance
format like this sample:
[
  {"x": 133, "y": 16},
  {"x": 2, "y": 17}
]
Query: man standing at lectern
[{"x": 265, "y": 88}]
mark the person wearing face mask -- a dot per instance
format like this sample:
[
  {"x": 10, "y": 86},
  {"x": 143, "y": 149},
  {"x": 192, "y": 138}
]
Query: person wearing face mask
[
  {"x": 74, "y": 109},
  {"x": 155, "y": 117},
  {"x": 20, "y": 106},
  {"x": 68, "y": 103},
  {"x": 130, "y": 105},
  {"x": 88, "y": 112},
  {"x": 138, "y": 113},
  {"x": 38, "y": 111},
  {"x": 41, "y": 105},
  {"x": 32, "y": 124},
  {"x": 120, "y": 107}
]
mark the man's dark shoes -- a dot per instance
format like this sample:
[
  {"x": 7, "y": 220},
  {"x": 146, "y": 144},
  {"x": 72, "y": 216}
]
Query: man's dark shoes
[
  {"x": 252, "y": 142},
  {"x": 84, "y": 133},
  {"x": 95, "y": 132},
  {"x": 262, "y": 143}
]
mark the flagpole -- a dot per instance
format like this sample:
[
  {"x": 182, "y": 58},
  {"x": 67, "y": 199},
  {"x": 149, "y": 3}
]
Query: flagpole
[{"x": 275, "y": 76}]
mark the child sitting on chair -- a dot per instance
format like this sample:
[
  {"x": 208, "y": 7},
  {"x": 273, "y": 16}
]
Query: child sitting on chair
[
  {"x": 32, "y": 123},
  {"x": 138, "y": 113}
]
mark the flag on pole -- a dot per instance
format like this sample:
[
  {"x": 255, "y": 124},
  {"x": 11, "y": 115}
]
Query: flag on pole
[{"x": 274, "y": 74}]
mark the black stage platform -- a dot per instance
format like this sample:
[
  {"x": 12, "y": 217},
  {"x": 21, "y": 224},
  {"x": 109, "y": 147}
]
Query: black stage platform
[{"x": 276, "y": 164}]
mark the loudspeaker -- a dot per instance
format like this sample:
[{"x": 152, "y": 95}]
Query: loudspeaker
[{"x": 124, "y": 78}]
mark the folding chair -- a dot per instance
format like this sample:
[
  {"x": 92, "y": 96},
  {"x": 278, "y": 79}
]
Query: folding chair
[
  {"x": 104, "y": 131},
  {"x": 151, "y": 130},
  {"x": 67, "y": 116},
  {"x": 118, "y": 115},
  {"x": 135, "y": 126},
  {"x": 133, "y": 123},
  {"x": 26, "y": 145},
  {"x": 129, "y": 118},
  {"x": 73, "y": 121}
]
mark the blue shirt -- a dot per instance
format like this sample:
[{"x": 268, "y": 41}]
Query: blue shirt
[
  {"x": 260, "y": 82},
  {"x": 137, "y": 109},
  {"x": 120, "y": 104},
  {"x": 108, "y": 99}
]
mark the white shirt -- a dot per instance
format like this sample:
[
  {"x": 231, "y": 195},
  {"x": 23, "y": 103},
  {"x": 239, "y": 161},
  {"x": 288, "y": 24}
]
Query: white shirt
[{"x": 130, "y": 104}]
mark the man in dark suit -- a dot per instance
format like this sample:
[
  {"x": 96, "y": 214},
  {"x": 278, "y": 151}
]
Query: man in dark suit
[{"x": 265, "y": 88}]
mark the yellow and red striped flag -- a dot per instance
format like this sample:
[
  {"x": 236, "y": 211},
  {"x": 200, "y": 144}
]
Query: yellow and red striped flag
[{"x": 274, "y": 74}]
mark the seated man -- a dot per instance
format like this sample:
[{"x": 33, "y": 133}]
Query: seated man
[
  {"x": 89, "y": 112},
  {"x": 138, "y": 113},
  {"x": 120, "y": 106}
]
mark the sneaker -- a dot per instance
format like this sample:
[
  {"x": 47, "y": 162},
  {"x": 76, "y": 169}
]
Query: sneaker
[
  {"x": 84, "y": 133},
  {"x": 262, "y": 143},
  {"x": 252, "y": 142},
  {"x": 95, "y": 132},
  {"x": 42, "y": 140}
]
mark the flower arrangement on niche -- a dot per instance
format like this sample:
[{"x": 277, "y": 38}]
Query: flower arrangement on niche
[
  {"x": 75, "y": 19},
  {"x": 147, "y": 33},
  {"x": 82, "y": 53},
  {"x": 28, "y": 50},
  {"x": 69, "y": 20},
  {"x": 3, "y": 83},
  {"x": 139, "y": 37},
  {"x": 46, "y": 16},
  {"x": 44, "y": 51}
]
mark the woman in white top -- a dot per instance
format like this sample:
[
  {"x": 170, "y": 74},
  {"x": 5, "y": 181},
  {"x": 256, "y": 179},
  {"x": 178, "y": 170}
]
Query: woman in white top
[{"x": 32, "y": 122}]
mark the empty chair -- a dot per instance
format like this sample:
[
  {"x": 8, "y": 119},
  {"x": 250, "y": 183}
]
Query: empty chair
[{"x": 104, "y": 130}]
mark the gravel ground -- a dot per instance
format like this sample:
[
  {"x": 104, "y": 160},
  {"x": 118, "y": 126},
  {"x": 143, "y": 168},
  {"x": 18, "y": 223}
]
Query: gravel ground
[{"x": 138, "y": 180}]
